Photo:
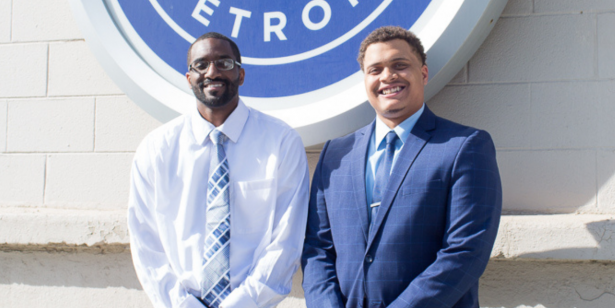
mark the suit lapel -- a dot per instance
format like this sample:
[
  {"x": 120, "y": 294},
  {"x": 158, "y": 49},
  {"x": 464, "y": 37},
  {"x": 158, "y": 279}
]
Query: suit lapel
[
  {"x": 358, "y": 175},
  {"x": 414, "y": 144}
]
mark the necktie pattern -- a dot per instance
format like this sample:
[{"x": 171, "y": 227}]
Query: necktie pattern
[
  {"x": 382, "y": 175},
  {"x": 216, "y": 270}
]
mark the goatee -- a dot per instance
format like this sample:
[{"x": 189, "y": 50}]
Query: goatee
[{"x": 216, "y": 101}]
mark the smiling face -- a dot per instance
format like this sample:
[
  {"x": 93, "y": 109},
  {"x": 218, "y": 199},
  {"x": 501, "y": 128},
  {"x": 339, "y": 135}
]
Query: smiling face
[
  {"x": 215, "y": 88},
  {"x": 394, "y": 79}
]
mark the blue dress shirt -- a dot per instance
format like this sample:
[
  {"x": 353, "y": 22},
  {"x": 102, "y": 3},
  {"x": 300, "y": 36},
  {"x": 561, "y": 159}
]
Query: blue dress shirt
[{"x": 377, "y": 148}]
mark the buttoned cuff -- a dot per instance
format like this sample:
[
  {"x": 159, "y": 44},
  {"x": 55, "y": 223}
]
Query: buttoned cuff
[{"x": 238, "y": 298}]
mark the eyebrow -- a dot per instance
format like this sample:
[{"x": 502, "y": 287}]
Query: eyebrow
[
  {"x": 392, "y": 60},
  {"x": 221, "y": 57}
]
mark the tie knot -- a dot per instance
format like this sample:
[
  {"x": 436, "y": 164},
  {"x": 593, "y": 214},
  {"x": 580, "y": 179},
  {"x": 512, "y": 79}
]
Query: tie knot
[
  {"x": 217, "y": 137},
  {"x": 391, "y": 137}
]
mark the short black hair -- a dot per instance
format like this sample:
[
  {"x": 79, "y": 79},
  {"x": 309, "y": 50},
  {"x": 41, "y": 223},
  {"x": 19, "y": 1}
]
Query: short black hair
[
  {"x": 389, "y": 33},
  {"x": 216, "y": 35}
]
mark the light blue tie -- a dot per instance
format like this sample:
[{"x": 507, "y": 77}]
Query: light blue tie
[
  {"x": 382, "y": 176},
  {"x": 216, "y": 270}
]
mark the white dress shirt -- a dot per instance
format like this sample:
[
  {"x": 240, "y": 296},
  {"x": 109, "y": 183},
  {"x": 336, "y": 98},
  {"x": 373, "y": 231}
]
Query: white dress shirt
[{"x": 268, "y": 203}]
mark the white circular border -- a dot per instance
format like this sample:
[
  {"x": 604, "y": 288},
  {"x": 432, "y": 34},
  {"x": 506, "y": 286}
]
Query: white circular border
[{"x": 451, "y": 31}]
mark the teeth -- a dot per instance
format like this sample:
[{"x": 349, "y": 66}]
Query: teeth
[
  {"x": 214, "y": 85},
  {"x": 391, "y": 90}
]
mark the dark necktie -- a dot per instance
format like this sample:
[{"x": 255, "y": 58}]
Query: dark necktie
[{"x": 382, "y": 175}]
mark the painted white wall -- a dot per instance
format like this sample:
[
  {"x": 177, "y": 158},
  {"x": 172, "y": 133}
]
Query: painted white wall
[{"x": 543, "y": 85}]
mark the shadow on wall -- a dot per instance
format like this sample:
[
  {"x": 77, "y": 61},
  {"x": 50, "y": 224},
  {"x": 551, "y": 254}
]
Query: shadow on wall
[
  {"x": 549, "y": 284},
  {"x": 599, "y": 239},
  {"x": 551, "y": 279},
  {"x": 104, "y": 278}
]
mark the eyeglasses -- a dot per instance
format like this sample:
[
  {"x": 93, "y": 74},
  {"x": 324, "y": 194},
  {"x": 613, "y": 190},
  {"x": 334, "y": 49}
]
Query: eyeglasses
[{"x": 201, "y": 66}]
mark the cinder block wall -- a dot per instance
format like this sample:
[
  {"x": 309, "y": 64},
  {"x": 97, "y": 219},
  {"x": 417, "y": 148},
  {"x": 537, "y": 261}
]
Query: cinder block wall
[
  {"x": 543, "y": 84},
  {"x": 67, "y": 133}
]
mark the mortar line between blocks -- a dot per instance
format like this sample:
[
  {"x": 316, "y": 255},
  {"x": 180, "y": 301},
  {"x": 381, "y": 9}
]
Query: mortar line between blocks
[
  {"x": 596, "y": 67},
  {"x": 529, "y": 94},
  {"x": 48, "y": 66},
  {"x": 23, "y": 98},
  {"x": 11, "y": 23},
  {"x": 467, "y": 72},
  {"x": 45, "y": 173},
  {"x": 533, "y": 7},
  {"x": 597, "y": 189},
  {"x": 94, "y": 127},
  {"x": 33, "y": 42},
  {"x": 6, "y": 126}
]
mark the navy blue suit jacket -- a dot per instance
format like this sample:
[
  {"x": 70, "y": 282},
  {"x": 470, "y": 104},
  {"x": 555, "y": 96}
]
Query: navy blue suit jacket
[{"x": 434, "y": 231}]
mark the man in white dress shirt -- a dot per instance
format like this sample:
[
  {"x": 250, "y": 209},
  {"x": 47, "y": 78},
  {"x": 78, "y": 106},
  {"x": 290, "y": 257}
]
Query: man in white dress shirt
[{"x": 188, "y": 176}]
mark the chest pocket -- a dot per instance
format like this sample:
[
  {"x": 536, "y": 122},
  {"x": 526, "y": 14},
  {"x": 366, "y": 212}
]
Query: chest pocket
[
  {"x": 435, "y": 186},
  {"x": 252, "y": 205}
]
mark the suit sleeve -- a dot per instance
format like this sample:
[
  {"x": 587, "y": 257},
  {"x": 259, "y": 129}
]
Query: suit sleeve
[
  {"x": 159, "y": 280},
  {"x": 270, "y": 280},
  {"x": 474, "y": 207},
  {"x": 320, "y": 282}
]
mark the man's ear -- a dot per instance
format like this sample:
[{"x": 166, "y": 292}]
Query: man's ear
[
  {"x": 188, "y": 77},
  {"x": 425, "y": 73},
  {"x": 242, "y": 75}
]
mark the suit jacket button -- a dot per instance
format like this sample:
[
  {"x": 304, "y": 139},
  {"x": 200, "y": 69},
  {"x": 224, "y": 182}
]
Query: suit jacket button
[{"x": 369, "y": 259}]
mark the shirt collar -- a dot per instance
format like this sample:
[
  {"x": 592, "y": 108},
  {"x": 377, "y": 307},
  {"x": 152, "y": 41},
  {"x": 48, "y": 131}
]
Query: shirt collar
[
  {"x": 232, "y": 127},
  {"x": 402, "y": 130}
]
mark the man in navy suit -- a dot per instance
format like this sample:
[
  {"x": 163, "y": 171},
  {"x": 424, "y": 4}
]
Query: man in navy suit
[{"x": 403, "y": 212}]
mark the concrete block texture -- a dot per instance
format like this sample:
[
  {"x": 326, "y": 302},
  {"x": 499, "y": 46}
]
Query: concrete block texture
[
  {"x": 37, "y": 228},
  {"x": 312, "y": 158},
  {"x": 22, "y": 179},
  {"x": 561, "y": 236},
  {"x": 3, "y": 109},
  {"x": 573, "y": 6},
  {"x": 556, "y": 237},
  {"x": 549, "y": 181},
  {"x": 548, "y": 284},
  {"x": 518, "y": 7},
  {"x": 536, "y": 48},
  {"x": 73, "y": 70},
  {"x": 5, "y": 21},
  {"x": 42, "y": 20},
  {"x": 573, "y": 114},
  {"x": 606, "y": 45},
  {"x": 88, "y": 181},
  {"x": 461, "y": 77},
  {"x": 121, "y": 124},
  {"x": 60, "y": 279},
  {"x": 606, "y": 180},
  {"x": 51, "y": 125},
  {"x": 502, "y": 110},
  {"x": 24, "y": 70}
]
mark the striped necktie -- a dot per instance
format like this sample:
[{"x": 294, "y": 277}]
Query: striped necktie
[{"x": 216, "y": 270}]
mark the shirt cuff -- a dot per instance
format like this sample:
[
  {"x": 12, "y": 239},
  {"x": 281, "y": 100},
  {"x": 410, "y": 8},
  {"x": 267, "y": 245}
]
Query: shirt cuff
[
  {"x": 238, "y": 298},
  {"x": 191, "y": 302}
]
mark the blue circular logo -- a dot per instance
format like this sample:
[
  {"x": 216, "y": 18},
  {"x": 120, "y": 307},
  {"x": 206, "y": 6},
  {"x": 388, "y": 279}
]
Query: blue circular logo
[
  {"x": 288, "y": 47},
  {"x": 299, "y": 56}
]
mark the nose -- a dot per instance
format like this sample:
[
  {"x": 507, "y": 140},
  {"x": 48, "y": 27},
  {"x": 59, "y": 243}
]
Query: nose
[
  {"x": 212, "y": 71},
  {"x": 388, "y": 75}
]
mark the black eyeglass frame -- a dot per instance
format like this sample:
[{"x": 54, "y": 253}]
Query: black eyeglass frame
[{"x": 233, "y": 63}]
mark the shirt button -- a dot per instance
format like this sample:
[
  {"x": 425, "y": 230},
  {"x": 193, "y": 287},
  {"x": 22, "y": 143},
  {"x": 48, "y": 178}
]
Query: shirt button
[{"x": 369, "y": 259}]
